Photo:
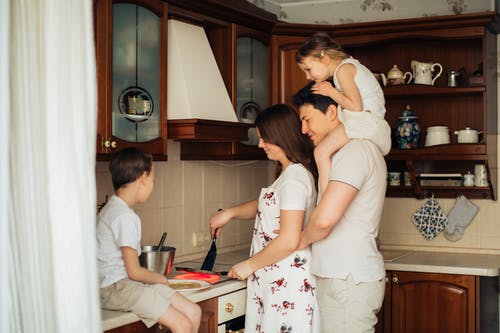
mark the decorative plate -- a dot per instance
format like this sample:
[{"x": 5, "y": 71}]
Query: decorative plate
[{"x": 136, "y": 104}]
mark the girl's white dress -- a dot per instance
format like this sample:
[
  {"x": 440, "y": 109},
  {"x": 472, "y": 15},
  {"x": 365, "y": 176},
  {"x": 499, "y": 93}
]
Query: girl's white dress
[{"x": 281, "y": 297}]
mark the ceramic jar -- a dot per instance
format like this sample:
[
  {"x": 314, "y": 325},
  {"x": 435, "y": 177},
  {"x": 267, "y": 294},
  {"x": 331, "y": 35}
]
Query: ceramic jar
[{"x": 408, "y": 130}]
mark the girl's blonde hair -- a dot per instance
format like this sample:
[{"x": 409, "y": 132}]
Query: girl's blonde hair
[{"x": 317, "y": 46}]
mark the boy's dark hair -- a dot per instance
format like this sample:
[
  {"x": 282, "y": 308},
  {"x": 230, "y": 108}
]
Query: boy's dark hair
[
  {"x": 306, "y": 96},
  {"x": 280, "y": 125},
  {"x": 127, "y": 165}
]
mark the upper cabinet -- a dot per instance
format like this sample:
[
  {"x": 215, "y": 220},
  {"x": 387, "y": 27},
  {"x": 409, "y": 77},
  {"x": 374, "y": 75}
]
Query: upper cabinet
[
  {"x": 239, "y": 35},
  {"x": 131, "y": 53},
  {"x": 465, "y": 44}
]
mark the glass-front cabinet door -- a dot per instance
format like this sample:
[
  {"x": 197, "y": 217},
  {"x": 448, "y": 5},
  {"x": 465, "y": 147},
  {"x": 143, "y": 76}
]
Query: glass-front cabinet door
[
  {"x": 131, "y": 60},
  {"x": 252, "y": 84}
]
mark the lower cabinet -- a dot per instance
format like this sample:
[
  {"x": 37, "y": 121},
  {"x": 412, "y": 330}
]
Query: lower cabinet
[{"x": 430, "y": 302}]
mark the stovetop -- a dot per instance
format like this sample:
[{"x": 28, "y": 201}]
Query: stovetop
[{"x": 218, "y": 268}]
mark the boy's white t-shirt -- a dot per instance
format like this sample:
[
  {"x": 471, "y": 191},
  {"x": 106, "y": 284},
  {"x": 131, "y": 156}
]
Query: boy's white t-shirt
[{"x": 117, "y": 225}]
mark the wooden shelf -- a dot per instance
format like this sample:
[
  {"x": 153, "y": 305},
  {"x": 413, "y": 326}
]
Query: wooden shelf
[
  {"x": 204, "y": 130},
  {"x": 420, "y": 89},
  {"x": 462, "y": 151},
  {"x": 470, "y": 192},
  {"x": 220, "y": 151}
]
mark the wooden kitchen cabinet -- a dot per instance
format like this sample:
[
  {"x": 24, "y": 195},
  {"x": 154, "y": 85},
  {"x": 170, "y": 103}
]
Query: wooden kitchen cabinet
[
  {"x": 131, "y": 60},
  {"x": 430, "y": 302},
  {"x": 456, "y": 41}
]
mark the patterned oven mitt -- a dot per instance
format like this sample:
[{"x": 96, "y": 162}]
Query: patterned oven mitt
[{"x": 430, "y": 219}]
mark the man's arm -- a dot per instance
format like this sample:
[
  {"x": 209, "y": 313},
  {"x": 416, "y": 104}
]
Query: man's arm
[{"x": 337, "y": 197}]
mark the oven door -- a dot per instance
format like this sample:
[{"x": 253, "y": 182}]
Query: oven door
[{"x": 231, "y": 312}]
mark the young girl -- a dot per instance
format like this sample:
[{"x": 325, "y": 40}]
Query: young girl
[
  {"x": 280, "y": 286},
  {"x": 356, "y": 91}
]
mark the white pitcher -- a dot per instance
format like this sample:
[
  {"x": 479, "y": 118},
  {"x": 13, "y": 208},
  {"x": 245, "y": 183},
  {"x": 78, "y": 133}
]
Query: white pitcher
[{"x": 422, "y": 72}]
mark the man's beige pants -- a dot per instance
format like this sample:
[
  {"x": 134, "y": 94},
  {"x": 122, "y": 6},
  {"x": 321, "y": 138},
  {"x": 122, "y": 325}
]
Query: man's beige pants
[{"x": 346, "y": 307}]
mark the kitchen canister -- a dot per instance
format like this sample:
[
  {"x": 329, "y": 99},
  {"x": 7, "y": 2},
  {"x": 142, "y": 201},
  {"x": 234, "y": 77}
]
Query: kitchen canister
[
  {"x": 468, "y": 179},
  {"x": 407, "y": 132},
  {"x": 480, "y": 179}
]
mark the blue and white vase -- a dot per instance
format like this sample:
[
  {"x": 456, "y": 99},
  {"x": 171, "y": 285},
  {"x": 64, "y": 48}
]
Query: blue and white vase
[{"x": 407, "y": 130}]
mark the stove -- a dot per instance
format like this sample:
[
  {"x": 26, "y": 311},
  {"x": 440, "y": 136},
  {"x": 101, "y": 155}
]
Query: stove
[{"x": 218, "y": 270}]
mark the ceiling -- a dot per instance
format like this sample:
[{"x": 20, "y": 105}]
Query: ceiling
[{"x": 288, "y": 3}]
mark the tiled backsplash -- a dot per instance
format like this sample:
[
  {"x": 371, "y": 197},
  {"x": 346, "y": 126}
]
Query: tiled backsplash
[{"x": 186, "y": 193}]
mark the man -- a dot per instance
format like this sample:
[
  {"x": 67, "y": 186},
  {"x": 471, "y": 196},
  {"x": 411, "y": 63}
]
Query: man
[{"x": 343, "y": 226}]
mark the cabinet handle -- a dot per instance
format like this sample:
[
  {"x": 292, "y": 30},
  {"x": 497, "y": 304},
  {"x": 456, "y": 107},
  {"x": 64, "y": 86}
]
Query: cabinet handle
[
  {"x": 113, "y": 144},
  {"x": 229, "y": 307},
  {"x": 106, "y": 144},
  {"x": 395, "y": 280}
]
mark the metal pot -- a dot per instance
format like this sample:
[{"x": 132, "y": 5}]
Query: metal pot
[
  {"x": 467, "y": 135},
  {"x": 437, "y": 135},
  {"x": 157, "y": 261}
]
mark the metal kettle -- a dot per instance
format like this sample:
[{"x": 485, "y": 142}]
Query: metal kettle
[{"x": 456, "y": 78}]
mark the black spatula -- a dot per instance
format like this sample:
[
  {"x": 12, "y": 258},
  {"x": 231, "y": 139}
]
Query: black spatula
[{"x": 208, "y": 263}]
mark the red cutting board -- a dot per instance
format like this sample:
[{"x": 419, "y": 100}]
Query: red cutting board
[{"x": 210, "y": 278}]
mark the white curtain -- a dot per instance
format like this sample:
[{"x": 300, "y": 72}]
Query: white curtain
[
  {"x": 4, "y": 165},
  {"x": 52, "y": 266}
]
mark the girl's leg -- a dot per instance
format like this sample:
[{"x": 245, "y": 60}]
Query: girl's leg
[{"x": 323, "y": 152}]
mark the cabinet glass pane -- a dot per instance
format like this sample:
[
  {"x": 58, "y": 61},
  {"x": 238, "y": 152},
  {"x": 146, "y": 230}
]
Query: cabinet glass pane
[
  {"x": 136, "y": 73},
  {"x": 251, "y": 76}
]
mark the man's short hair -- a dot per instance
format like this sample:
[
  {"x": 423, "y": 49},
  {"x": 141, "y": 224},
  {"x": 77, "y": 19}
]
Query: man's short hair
[{"x": 306, "y": 96}]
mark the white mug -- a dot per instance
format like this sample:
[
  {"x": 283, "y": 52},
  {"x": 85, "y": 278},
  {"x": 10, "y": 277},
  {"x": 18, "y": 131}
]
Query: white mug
[
  {"x": 394, "y": 178},
  {"x": 480, "y": 175}
]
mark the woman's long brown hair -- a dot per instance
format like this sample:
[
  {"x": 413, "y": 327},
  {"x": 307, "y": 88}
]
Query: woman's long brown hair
[{"x": 280, "y": 125}]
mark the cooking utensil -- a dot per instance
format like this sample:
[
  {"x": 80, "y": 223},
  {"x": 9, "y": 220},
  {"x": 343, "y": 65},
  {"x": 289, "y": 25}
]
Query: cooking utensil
[
  {"x": 157, "y": 261},
  {"x": 209, "y": 261},
  {"x": 162, "y": 240},
  {"x": 194, "y": 270}
]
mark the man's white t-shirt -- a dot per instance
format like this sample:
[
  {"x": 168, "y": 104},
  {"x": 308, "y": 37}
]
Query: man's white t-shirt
[
  {"x": 117, "y": 225},
  {"x": 351, "y": 249}
]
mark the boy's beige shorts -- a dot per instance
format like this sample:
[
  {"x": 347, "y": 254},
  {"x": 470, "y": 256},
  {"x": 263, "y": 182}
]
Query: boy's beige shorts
[{"x": 148, "y": 301}]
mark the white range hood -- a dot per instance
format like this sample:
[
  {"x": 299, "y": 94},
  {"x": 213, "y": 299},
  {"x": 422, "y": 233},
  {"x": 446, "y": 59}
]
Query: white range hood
[{"x": 196, "y": 89}]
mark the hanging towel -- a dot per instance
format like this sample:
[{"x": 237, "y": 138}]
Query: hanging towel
[
  {"x": 459, "y": 218},
  {"x": 430, "y": 219}
]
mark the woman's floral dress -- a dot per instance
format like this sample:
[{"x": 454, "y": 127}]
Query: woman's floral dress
[{"x": 281, "y": 297}]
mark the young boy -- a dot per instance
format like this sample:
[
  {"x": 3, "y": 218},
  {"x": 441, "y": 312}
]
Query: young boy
[{"x": 125, "y": 285}]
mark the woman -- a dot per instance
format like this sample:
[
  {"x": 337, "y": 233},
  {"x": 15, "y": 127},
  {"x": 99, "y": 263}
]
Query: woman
[{"x": 280, "y": 287}]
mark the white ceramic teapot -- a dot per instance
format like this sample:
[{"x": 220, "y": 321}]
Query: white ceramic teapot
[
  {"x": 422, "y": 72},
  {"x": 396, "y": 76}
]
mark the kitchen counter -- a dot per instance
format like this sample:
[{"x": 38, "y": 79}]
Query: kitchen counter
[
  {"x": 113, "y": 319},
  {"x": 413, "y": 261},
  {"x": 445, "y": 263}
]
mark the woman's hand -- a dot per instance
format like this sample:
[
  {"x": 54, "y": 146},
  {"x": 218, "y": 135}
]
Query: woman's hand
[
  {"x": 241, "y": 270},
  {"x": 217, "y": 221}
]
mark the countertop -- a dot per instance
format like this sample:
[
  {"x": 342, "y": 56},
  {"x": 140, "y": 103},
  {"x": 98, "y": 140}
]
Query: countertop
[
  {"x": 113, "y": 319},
  {"x": 401, "y": 260}
]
